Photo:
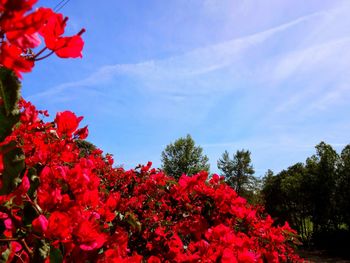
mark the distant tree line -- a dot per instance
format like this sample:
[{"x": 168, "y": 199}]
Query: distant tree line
[{"x": 314, "y": 197}]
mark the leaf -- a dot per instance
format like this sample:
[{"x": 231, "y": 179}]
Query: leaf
[
  {"x": 132, "y": 220},
  {"x": 44, "y": 249},
  {"x": 6, "y": 122},
  {"x": 9, "y": 91},
  {"x": 29, "y": 214},
  {"x": 10, "y": 94},
  {"x": 55, "y": 255},
  {"x": 5, "y": 255},
  {"x": 13, "y": 160},
  {"x": 34, "y": 181}
]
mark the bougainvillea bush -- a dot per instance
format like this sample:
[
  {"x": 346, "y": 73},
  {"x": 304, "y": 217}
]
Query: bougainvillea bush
[
  {"x": 73, "y": 206},
  {"x": 62, "y": 200}
]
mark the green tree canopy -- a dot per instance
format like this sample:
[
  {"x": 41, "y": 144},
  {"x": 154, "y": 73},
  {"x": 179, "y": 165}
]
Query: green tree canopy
[
  {"x": 238, "y": 171},
  {"x": 313, "y": 197},
  {"x": 183, "y": 157}
]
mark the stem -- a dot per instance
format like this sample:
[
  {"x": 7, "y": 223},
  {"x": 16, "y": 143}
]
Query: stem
[
  {"x": 82, "y": 31},
  {"x": 39, "y": 53},
  {"x": 20, "y": 256},
  {"x": 26, "y": 247},
  {"x": 43, "y": 57},
  {"x": 36, "y": 207},
  {"x": 8, "y": 239}
]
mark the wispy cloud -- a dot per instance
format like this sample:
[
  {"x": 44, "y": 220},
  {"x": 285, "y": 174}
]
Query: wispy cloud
[{"x": 198, "y": 62}]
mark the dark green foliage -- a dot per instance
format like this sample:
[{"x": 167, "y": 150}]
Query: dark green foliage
[
  {"x": 9, "y": 91},
  {"x": 13, "y": 161},
  {"x": 343, "y": 186},
  {"x": 9, "y": 97},
  {"x": 12, "y": 157},
  {"x": 85, "y": 147},
  {"x": 6, "y": 122},
  {"x": 322, "y": 171},
  {"x": 55, "y": 255},
  {"x": 238, "y": 172},
  {"x": 314, "y": 197},
  {"x": 183, "y": 157},
  {"x": 287, "y": 198}
]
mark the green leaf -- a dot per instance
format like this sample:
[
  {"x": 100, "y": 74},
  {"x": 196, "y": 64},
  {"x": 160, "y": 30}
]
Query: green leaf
[
  {"x": 44, "y": 249},
  {"x": 5, "y": 255},
  {"x": 29, "y": 214},
  {"x": 132, "y": 220},
  {"x": 34, "y": 181},
  {"x": 6, "y": 122},
  {"x": 9, "y": 91},
  {"x": 13, "y": 160},
  {"x": 10, "y": 95},
  {"x": 55, "y": 255}
]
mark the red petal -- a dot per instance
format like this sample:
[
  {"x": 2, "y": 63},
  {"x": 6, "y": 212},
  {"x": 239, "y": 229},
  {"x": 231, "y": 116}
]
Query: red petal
[
  {"x": 69, "y": 47},
  {"x": 10, "y": 57}
]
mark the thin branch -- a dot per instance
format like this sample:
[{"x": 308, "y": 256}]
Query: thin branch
[
  {"x": 39, "y": 53},
  {"x": 43, "y": 57},
  {"x": 10, "y": 239}
]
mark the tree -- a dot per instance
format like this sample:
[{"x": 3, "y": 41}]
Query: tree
[
  {"x": 238, "y": 171},
  {"x": 183, "y": 157},
  {"x": 343, "y": 186},
  {"x": 287, "y": 198},
  {"x": 313, "y": 197},
  {"x": 322, "y": 169}
]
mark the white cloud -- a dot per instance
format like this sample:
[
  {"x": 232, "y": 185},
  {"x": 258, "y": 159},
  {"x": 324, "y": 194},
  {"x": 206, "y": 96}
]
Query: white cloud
[
  {"x": 157, "y": 74},
  {"x": 309, "y": 59}
]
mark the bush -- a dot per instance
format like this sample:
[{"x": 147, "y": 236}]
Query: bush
[{"x": 72, "y": 208}]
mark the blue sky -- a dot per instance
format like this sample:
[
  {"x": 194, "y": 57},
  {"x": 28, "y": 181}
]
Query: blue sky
[{"x": 269, "y": 76}]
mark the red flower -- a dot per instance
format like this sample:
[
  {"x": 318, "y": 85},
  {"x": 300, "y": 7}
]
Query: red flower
[
  {"x": 40, "y": 224},
  {"x": 69, "y": 47},
  {"x": 19, "y": 28},
  {"x": 154, "y": 259},
  {"x": 64, "y": 47},
  {"x": 14, "y": 248},
  {"x": 59, "y": 226},
  {"x": 19, "y": 34},
  {"x": 82, "y": 133},
  {"x": 16, "y": 5},
  {"x": 11, "y": 58},
  {"x": 67, "y": 122},
  {"x": 1, "y": 164},
  {"x": 89, "y": 236}
]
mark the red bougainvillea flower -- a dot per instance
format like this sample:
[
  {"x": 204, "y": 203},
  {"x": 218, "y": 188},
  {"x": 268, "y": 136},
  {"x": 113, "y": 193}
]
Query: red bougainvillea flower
[
  {"x": 67, "y": 123},
  {"x": 69, "y": 47},
  {"x": 64, "y": 47},
  {"x": 59, "y": 226},
  {"x": 14, "y": 248},
  {"x": 20, "y": 32},
  {"x": 11, "y": 57},
  {"x": 82, "y": 133},
  {"x": 90, "y": 238},
  {"x": 16, "y": 5},
  {"x": 40, "y": 224},
  {"x": 26, "y": 27},
  {"x": 1, "y": 163}
]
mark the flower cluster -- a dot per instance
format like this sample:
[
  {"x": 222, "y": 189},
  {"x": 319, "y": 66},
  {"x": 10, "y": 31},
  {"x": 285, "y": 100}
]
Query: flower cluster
[
  {"x": 72, "y": 205},
  {"x": 20, "y": 32}
]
